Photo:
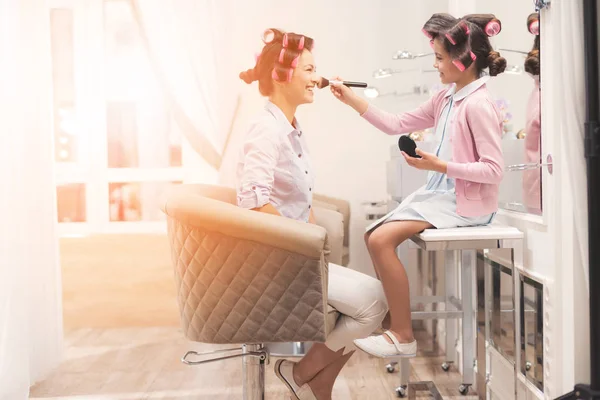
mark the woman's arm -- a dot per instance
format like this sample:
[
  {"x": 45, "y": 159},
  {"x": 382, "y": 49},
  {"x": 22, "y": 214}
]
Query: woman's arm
[
  {"x": 260, "y": 152},
  {"x": 487, "y": 135}
]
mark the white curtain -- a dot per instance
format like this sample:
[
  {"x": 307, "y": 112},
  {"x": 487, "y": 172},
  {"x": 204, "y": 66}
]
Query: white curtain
[
  {"x": 567, "y": 20},
  {"x": 189, "y": 44},
  {"x": 30, "y": 288}
]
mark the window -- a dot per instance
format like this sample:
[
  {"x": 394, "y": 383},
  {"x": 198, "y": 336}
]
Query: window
[{"x": 118, "y": 149}]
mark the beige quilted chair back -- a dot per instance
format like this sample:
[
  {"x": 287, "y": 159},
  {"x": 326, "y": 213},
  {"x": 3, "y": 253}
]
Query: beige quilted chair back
[{"x": 244, "y": 276}]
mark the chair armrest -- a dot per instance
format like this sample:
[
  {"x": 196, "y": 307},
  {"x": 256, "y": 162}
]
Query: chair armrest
[
  {"x": 333, "y": 222},
  {"x": 217, "y": 216},
  {"x": 343, "y": 207}
]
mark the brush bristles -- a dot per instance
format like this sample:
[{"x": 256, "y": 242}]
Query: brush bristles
[{"x": 323, "y": 83}]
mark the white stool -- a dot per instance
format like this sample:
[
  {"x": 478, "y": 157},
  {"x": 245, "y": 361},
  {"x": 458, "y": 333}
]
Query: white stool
[{"x": 461, "y": 245}]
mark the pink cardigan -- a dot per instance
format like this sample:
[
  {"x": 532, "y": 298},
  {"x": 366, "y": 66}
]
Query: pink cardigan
[{"x": 477, "y": 163}]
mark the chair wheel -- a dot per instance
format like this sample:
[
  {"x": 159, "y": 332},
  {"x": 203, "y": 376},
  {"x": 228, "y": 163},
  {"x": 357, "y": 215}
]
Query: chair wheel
[
  {"x": 401, "y": 391},
  {"x": 391, "y": 368},
  {"x": 446, "y": 367},
  {"x": 463, "y": 389}
]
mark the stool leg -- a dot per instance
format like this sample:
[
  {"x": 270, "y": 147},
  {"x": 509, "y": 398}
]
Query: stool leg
[
  {"x": 450, "y": 271},
  {"x": 468, "y": 259},
  {"x": 253, "y": 372}
]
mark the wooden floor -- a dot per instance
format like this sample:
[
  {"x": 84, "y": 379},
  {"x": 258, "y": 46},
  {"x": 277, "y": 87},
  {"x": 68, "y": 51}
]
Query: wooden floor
[{"x": 143, "y": 363}]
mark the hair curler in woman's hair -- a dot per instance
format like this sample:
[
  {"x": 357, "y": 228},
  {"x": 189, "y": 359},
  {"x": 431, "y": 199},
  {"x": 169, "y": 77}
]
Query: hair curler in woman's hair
[
  {"x": 286, "y": 42},
  {"x": 267, "y": 36},
  {"x": 493, "y": 28},
  {"x": 288, "y": 75},
  {"x": 534, "y": 27}
]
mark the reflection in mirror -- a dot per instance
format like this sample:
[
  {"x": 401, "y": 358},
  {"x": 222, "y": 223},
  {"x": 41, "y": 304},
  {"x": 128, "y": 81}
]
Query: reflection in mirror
[
  {"x": 532, "y": 331},
  {"x": 501, "y": 314},
  {"x": 521, "y": 189}
]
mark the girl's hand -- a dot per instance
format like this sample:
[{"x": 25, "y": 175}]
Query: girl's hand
[
  {"x": 347, "y": 96},
  {"x": 428, "y": 162},
  {"x": 341, "y": 92}
]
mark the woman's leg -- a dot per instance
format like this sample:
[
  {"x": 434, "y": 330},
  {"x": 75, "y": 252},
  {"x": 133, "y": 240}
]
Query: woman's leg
[
  {"x": 382, "y": 244},
  {"x": 361, "y": 302},
  {"x": 322, "y": 383}
]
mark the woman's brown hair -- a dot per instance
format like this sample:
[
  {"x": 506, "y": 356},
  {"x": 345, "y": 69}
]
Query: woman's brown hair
[{"x": 277, "y": 59}]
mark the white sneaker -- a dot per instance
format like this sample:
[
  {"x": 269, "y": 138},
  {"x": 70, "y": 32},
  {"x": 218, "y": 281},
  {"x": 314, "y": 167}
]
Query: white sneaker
[{"x": 379, "y": 347}]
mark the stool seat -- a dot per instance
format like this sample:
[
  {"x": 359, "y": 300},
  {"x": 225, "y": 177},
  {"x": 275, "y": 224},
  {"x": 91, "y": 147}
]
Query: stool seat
[
  {"x": 493, "y": 236},
  {"x": 492, "y": 231}
]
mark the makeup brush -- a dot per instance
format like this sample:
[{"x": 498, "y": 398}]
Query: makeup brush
[{"x": 325, "y": 82}]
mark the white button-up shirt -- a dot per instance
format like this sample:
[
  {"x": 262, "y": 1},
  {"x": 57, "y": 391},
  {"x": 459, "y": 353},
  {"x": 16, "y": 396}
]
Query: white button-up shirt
[{"x": 275, "y": 166}]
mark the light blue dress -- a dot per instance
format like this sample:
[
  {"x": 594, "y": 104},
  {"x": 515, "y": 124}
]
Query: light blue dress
[{"x": 436, "y": 201}]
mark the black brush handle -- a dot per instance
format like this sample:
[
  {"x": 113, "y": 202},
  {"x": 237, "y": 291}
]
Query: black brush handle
[{"x": 355, "y": 84}]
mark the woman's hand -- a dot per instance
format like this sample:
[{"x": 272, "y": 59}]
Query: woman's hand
[
  {"x": 428, "y": 162},
  {"x": 347, "y": 96}
]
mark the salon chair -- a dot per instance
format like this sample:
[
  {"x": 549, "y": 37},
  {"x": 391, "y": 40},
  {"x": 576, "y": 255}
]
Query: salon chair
[{"x": 245, "y": 278}]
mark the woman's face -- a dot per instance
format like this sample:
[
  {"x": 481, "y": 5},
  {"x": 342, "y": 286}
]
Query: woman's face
[
  {"x": 449, "y": 73},
  {"x": 304, "y": 80}
]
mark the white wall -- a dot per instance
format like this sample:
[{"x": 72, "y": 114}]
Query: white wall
[{"x": 353, "y": 38}]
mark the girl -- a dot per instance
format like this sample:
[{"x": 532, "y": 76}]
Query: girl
[
  {"x": 465, "y": 171},
  {"x": 275, "y": 175}
]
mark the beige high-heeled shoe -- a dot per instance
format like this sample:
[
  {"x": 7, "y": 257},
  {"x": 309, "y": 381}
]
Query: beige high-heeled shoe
[{"x": 284, "y": 371}]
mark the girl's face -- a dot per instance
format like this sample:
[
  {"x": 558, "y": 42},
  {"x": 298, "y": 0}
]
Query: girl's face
[
  {"x": 304, "y": 80},
  {"x": 449, "y": 73}
]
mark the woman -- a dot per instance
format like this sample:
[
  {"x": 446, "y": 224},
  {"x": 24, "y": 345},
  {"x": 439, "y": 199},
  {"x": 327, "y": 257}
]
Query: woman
[{"x": 275, "y": 176}]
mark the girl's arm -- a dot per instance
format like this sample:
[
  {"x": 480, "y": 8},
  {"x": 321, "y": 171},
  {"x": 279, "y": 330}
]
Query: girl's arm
[
  {"x": 487, "y": 135},
  {"x": 392, "y": 124},
  {"x": 395, "y": 124}
]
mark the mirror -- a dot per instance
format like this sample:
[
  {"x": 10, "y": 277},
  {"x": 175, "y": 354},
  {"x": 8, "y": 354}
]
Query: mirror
[
  {"x": 532, "y": 331},
  {"x": 517, "y": 93}
]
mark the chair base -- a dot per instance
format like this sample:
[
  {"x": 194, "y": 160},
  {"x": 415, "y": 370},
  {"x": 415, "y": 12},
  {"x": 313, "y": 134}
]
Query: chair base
[
  {"x": 254, "y": 358},
  {"x": 288, "y": 349}
]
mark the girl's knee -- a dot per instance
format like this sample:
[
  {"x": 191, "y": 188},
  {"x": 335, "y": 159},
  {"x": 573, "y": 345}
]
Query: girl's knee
[
  {"x": 366, "y": 237},
  {"x": 378, "y": 241}
]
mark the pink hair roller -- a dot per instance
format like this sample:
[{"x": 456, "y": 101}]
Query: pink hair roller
[
  {"x": 534, "y": 28},
  {"x": 466, "y": 27},
  {"x": 301, "y": 43},
  {"x": 281, "y": 55},
  {"x": 295, "y": 62},
  {"x": 450, "y": 38},
  {"x": 285, "y": 41},
  {"x": 427, "y": 33},
  {"x": 268, "y": 36},
  {"x": 460, "y": 65},
  {"x": 492, "y": 28},
  {"x": 288, "y": 77}
]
